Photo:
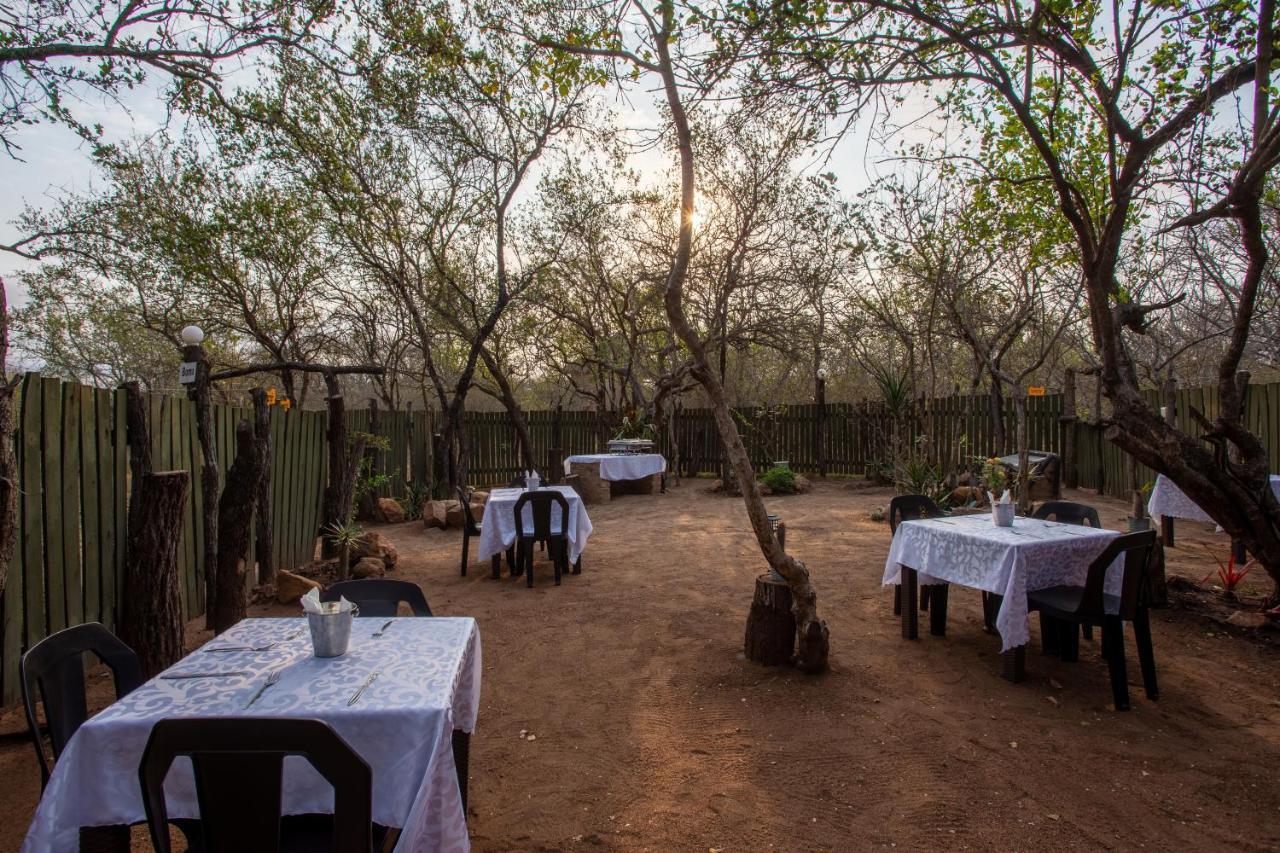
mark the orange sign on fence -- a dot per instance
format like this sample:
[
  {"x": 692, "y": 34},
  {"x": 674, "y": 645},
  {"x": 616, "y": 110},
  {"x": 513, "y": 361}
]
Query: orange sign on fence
[{"x": 1035, "y": 391}]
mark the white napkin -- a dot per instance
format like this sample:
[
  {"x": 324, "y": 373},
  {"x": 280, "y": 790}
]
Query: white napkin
[
  {"x": 1006, "y": 497},
  {"x": 311, "y": 603}
]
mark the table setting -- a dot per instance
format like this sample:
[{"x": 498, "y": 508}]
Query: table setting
[
  {"x": 1006, "y": 561},
  {"x": 498, "y": 525},
  {"x": 395, "y": 689}
]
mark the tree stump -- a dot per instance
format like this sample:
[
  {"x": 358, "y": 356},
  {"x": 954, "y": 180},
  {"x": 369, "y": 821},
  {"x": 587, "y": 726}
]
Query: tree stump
[
  {"x": 235, "y": 518},
  {"x": 151, "y": 602},
  {"x": 1157, "y": 585},
  {"x": 771, "y": 628}
]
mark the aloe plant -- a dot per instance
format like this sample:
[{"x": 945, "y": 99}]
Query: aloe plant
[{"x": 344, "y": 536}]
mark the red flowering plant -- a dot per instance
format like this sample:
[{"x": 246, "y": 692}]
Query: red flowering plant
[{"x": 1229, "y": 573}]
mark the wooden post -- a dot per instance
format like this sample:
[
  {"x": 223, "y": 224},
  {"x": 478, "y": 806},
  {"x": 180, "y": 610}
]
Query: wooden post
[
  {"x": 338, "y": 492},
  {"x": 771, "y": 628},
  {"x": 820, "y": 425},
  {"x": 1097, "y": 432},
  {"x": 151, "y": 603},
  {"x": 8, "y": 459},
  {"x": 235, "y": 514},
  {"x": 264, "y": 524},
  {"x": 1070, "y": 474},
  {"x": 209, "y": 487},
  {"x": 369, "y": 500},
  {"x": 151, "y": 608}
]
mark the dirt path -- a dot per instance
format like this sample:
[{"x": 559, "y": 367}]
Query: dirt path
[{"x": 652, "y": 732}]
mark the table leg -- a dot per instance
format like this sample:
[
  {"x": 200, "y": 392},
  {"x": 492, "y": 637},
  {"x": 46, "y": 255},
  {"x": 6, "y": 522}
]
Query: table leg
[
  {"x": 104, "y": 839},
  {"x": 1013, "y": 664},
  {"x": 462, "y": 761},
  {"x": 938, "y": 610},
  {"x": 910, "y": 614},
  {"x": 1166, "y": 531}
]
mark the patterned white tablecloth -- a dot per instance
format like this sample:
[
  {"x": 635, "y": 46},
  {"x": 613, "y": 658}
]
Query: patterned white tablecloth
[
  {"x": 428, "y": 684},
  {"x": 623, "y": 466},
  {"x": 972, "y": 551},
  {"x": 498, "y": 527},
  {"x": 1170, "y": 501}
]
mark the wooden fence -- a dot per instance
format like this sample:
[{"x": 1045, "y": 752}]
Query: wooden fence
[{"x": 73, "y": 462}]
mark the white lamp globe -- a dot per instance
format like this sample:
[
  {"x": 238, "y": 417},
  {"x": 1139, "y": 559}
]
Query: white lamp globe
[
  {"x": 822, "y": 372},
  {"x": 191, "y": 335}
]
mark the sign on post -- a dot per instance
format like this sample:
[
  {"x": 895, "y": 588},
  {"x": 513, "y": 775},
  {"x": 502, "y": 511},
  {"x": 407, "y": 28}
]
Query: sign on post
[{"x": 187, "y": 373}]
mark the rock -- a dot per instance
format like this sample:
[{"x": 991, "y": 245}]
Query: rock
[
  {"x": 477, "y": 512},
  {"x": 389, "y": 511},
  {"x": 764, "y": 490},
  {"x": 968, "y": 494},
  {"x": 802, "y": 484},
  {"x": 717, "y": 486},
  {"x": 453, "y": 516},
  {"x": 481, "y": 498},
  {"x": 374, "y": 544},
  {"x": 291, "y": 587},
  {"x": 369, "y": 567},
  {"x": 1247, "y": 619},
  {"x": 434, "y": 514}
]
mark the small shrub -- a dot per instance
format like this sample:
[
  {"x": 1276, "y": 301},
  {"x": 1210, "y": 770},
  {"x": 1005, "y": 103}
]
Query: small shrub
[
  {"x": 877, "y": 514},
  {"x": 415, "y": 495},
  {"x": 914, "y": 476},
  {"x": 782, "y": 481}
]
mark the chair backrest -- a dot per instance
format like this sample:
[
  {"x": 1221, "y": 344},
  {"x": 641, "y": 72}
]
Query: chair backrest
[
  {"x": 468, "y": 518},
  {"x": 541, "y": 501},
  {"x": 1136, "y": 550},
  {"x": 380, "y": 597},
  {"x": 237, "y": 763},
  {"x": 53, "y": 669},
  {"x": 906, "y": 507},
  {"x": 1067, "y": 512}
]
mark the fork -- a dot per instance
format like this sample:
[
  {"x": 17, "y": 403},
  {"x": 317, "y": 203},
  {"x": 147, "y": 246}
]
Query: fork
[
  {"x": 272, "y": 677},
  {"x": 383, "y": 629},
  {"x": 367, "y": 682}
]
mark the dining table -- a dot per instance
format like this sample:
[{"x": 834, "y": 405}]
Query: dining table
[
  {"x": 498, "y": 524},
  {"x": 405, "y": 697},
  {"x": 1004, "y": 562},
  {"x": 1168, "y": 502}
]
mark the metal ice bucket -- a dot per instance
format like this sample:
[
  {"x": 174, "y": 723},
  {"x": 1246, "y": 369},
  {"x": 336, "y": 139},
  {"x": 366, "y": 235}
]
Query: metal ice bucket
[
  {"x": 1002, "y": 514},
  {"x": 331, "y": 630}
]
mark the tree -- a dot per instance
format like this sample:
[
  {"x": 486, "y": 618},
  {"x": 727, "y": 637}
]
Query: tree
[
  {"x": 659, "y": 30},
  {"x": 51, "y": 53},
  {"x": 1112, "y": 103}
]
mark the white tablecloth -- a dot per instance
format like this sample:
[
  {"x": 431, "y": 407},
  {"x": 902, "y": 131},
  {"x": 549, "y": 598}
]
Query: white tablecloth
[
  {"x": 622, "y": 466},
  {"x": 498, "y": 527},
  {"x": 1170, "y": 501},
  {"x": 1010, "y": 561},
  {"x": 428, "y": 684}
]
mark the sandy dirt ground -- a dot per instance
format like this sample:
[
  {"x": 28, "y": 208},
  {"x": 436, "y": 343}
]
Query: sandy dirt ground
[{"x": 653, "y": 733}]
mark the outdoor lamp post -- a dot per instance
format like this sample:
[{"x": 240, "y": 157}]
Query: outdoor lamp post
[
  {"x": 820, "y": 397},
  {"x": 194, "y": 373}
]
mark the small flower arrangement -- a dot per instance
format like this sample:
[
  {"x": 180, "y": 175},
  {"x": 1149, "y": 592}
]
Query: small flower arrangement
[{"x": 995, "y": 477}]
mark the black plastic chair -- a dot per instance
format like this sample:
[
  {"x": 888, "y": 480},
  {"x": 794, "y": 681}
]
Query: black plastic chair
[
  {"x": 905, "y": 508},
  {"x": 1091, "y": 605},
  {"x": 54, "y": 669},
  {"x": 380, "y": 597},
  {"x": 543, "y": 531},
  {"x": 238, "y": 764},
  {"x": 1067, "y": 512}
]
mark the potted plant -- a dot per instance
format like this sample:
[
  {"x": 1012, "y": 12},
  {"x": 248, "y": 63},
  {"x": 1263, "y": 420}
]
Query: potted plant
[{"x": 1138, "y": 518}]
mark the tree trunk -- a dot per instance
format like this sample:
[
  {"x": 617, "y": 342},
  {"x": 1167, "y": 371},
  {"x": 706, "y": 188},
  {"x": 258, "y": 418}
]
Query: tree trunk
[
  {"x": 235, "y": 514},
  {"x": 264, "y": 535},
  {"x": 151, "y": 600},
  {"x": 812, "y": 633},
  {"x": 338, "y": 491},
  {"x": 518, "y": 421},
  {"x": 209, "y": 476},
  {"x": 998, "y": 436},
  {"x": 1070, "y": 471},
  {"x": 368, "y": 509},
  {"x": 8, "y": 461},
  {"x": 1024, "y": 452}
]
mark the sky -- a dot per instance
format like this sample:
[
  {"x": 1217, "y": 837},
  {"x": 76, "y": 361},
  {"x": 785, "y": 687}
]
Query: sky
[{"x": 56, "y": 162}]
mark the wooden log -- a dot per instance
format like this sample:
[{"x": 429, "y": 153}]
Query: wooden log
[
  {"x": 235, "y": 516},
  {"x": 151, "y": 606},
  {"x": 771, "y": 628}
]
